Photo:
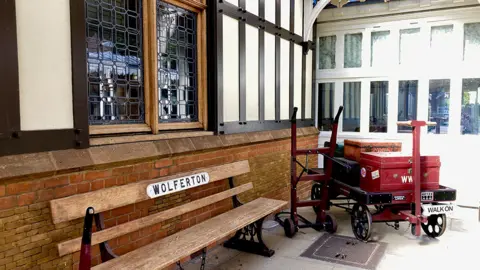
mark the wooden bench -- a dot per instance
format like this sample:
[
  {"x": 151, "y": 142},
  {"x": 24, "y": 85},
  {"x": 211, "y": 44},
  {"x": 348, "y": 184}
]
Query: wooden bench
[{"x": 245, "y": 220}]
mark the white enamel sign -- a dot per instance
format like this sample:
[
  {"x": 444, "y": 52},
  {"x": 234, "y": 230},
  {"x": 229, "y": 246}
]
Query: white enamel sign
[{"x": 178, "y": 184}]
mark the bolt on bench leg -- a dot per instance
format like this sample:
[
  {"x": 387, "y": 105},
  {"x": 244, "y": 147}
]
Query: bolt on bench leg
[{"x": 244, "y": 240}]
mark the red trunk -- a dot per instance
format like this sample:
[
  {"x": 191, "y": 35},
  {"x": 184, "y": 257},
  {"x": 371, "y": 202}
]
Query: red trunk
[{"x": 394, "y": 172}]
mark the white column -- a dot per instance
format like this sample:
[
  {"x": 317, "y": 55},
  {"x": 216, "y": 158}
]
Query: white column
[
  {"x": 365, "y": 107},
  {"x": 338, "y": 101},
  {"x": 392, "y": 105}
]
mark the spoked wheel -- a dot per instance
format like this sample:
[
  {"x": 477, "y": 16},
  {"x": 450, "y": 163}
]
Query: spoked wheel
[
  {"x": 435, "y": 226},
  {"x": 316, "y": 195},
  {"x": 289, "y": 227},
  {"x": 361, "y": 222},
  {"x": 330, "y": 224}
]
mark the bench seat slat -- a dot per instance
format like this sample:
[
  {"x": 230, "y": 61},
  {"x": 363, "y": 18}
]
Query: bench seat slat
[
  {"x": 73, "y": 207},
  {"x": 74, "y": 245},
  {"x": 171, "y": 249}
]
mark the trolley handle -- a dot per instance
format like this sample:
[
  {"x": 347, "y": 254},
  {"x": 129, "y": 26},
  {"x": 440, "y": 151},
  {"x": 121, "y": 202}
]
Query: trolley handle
[
  {"x": 409, "y": 123},
  {"x": 337, "y": 117},
  {"x": 404, "y": 123},
  {"x": 294, "y": 114}
]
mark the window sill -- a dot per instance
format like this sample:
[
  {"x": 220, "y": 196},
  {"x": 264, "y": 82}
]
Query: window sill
[{"x": 146, "y": 137}]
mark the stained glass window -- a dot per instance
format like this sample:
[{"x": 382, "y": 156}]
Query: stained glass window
[
  {"x": 177, "y": 64},
  {"x": 326, "y": 54},
  {"x": 409, "y": 46},
  {"x": 470, "y": 119},
  {"x": 407, "y": 103},
  {"x": 441, "y": 41},
  {"x": 353, "y": 51},
  {"x": 378, "y": 106},
  {"x": 114, "y": 61},
  {"x": 439, "y": 105},
  {"x": 351, "y": 104},
  {"x": 326, "y": 95},
  {"x": 381, "y": 52},
  {"x": 472, "y": 42}
]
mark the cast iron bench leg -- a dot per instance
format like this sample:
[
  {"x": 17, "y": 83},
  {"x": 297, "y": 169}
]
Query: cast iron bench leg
[{"x": 249, "y": 238}]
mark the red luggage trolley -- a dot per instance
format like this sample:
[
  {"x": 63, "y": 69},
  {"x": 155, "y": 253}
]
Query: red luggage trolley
[
  {"x": 324, "y": 220},
  {"x": 421, "y": 203},
  {"x": 417, "y": 200}
]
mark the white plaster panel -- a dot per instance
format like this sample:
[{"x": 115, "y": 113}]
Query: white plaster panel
[
  {"x": 297, "y": 77},
  {"x": 298, "y": 17},
  {"x": 269, "y": 90},
  {"x": 285, "y": 14},
  {"x": 44, "y": 64},
  {"x": 235, "y": 2},
  {"x": 251, "y": 52},
  {"x": 252, "y": 6},
  {"x": 230, "y": 70},
  {"x": 284, "y": 78},
  {"x": 270, "y": 10},
  {"x": 308, "y": 86}
]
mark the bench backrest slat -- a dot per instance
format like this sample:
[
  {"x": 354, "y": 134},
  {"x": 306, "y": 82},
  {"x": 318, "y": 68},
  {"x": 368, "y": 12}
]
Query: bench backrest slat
[
  {"x": 74, "y": 245},
  {"x": 74, "y": 207}
]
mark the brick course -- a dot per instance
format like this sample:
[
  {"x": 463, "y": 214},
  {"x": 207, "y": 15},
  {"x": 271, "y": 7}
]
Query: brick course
[{"x": 28, "y": 238}]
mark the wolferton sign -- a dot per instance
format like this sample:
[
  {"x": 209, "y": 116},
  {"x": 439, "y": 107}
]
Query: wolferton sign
[{"x": 178, "y": 184}]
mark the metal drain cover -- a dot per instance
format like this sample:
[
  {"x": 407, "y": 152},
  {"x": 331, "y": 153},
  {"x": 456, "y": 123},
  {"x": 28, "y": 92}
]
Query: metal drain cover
[{"x": 347, "y": 251}]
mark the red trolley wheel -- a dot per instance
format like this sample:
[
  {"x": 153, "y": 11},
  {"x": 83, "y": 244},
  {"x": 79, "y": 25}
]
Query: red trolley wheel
[
  {"x": 436, "y": 225},
  {"x": 330, "y": 224},
  {"x": 361, "y": 219},
  {"x": 289, "y": 227}
]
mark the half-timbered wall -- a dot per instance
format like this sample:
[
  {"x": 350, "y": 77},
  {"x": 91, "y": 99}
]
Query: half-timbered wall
[{"x": 263, "y": 67}]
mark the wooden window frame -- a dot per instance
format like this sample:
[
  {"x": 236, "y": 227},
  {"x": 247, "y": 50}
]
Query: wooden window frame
[{"x": 150, "y": 73}]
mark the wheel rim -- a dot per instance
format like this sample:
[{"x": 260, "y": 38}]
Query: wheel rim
[
  {"x": 361, "y": 222},
  {"x": 436, "y": 225}
]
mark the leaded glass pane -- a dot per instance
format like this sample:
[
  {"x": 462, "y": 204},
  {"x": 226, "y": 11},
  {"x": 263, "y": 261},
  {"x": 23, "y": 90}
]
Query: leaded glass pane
[
  {"x": 326, "y": 58},
  {"x": 353, "y": 51},
  {"x": 438, "y": 105},
  {"x": 351, "y": 103},
  {"x": 114, "y": 61},
  {"x": 378, "y": 106},
  {"x": 326, "y": 95},
  {"x": 177, "y": 63},
  {"x": 441, "y": 41},
  {"x": 409, "y": 46},
  {"x": 472, "y": 42},
  {"x": 407, "y": 103},
  {"x": 381, "y": 52},
  {"x": 470, "y": 121}
]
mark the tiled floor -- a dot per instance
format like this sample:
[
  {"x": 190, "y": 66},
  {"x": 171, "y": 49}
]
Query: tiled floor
[{"x": 457, "y": 248}]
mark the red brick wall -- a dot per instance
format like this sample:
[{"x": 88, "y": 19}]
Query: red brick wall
[{"x": 28, "y": 238}]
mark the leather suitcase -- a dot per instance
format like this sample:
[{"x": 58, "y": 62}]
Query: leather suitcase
[
  {"x": 392, "y": 171},
  {"x": 341, "y": 173},
  {"x": 353, "y": 148}
]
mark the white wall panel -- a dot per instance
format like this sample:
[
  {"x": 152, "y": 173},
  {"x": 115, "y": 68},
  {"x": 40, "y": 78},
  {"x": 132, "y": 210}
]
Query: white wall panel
[
  {"x": 269, "y": 90},
  {"x": 297, "y": 82},
  {"x": 252, "y": 6},
  {"x": 285, "y": 14},
  {"x": 298, "y": 17},
  {"x": 251, "y": 51},
  {"x": 308, "y": 86},
  {"x": 270, "y": 10},
  {"x": 230, "y": 70},
  {"x": 284, "y": 78},
  {"x": 235, "y": 2},
  {"x": 44, "y": 64}
]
